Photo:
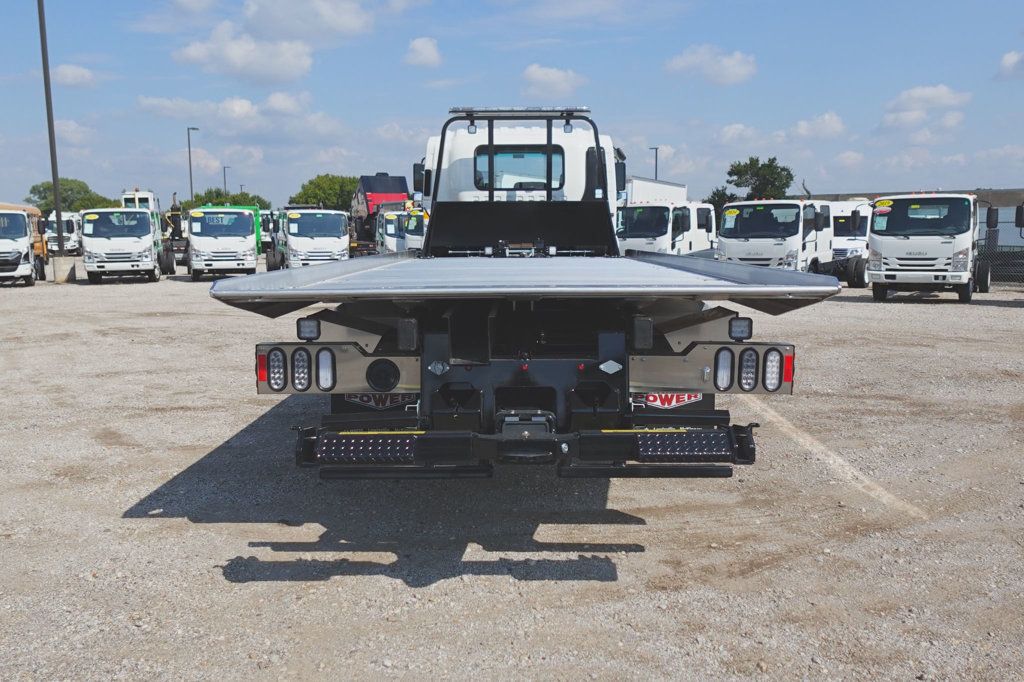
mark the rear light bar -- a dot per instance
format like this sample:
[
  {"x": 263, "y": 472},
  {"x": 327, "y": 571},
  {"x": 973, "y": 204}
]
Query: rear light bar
[{"x": 332, "y": 368}]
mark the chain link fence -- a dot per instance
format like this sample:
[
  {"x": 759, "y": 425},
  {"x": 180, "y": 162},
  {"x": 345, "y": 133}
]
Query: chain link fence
[{"x": 1003, "y": 249}]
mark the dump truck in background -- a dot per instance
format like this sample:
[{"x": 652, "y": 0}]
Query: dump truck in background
[
  {"x": 520, "y": 334},
  {"x": 374, "y": 194}
]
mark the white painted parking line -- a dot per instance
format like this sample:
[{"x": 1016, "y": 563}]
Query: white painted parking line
[{"x": 839, "y": 466}]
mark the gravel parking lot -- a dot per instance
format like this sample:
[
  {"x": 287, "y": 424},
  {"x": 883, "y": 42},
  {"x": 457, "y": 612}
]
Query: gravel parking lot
[{"x": 152, "y": 523}]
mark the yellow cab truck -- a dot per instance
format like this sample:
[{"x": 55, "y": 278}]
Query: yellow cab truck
[{"x": 23, "y": 252}]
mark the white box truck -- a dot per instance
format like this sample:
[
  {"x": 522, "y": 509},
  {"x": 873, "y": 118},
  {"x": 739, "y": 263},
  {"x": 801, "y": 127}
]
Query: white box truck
[
  {"x": 72, "y": 226},
  {"x": 312, "y": 236},
  {"x": 119, "y": 242},
  {"x": 222, "y": 240},
  {"x": 666, "y": 227},
  {"x": 794, "y": 234},
  {"x": 647, "y": 191},
  {"x": 927, "y": 242}
]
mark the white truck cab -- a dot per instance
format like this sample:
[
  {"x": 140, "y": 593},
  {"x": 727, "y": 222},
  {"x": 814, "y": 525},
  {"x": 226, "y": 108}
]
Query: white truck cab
[
  {"x": 72, "y": 228},
  {"x": 664, "y": 227},
  {"x": 313, "y": 236},
  {"x": 927, "y": 242},
  {"x": 850, "y": 242},
  {"x": 16, "y": 254},
  {"x": 795, "y": 234},
  {"x": 414, "y": 227},
  {"x": 121, "y": 241},
  {"x": 222, "y": 240},
  {"x": 519, "y": 165}
]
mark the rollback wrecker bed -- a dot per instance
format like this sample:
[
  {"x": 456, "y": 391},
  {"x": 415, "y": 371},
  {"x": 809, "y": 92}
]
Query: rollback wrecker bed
[{"x": 520, "y": 335}]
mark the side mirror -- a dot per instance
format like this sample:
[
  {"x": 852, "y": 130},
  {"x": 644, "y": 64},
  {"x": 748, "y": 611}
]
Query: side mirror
[
  {"x": 1019, "y": 219},
  {"x": 992, "y": 218},
  {"x": 819, "y": 221},
  {"x": 417, "y": 176},
  {"x": 621, "y": 196},
  {"x": 41, "y": 227},
  {"x": 428, "y": 182},
  {"x": 620, "y": 176},
  {"x": 855, "y": 220}
]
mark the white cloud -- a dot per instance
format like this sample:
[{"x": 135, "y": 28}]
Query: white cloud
[
  {"x": 1012, "y": 65},
  {"x": 736, "y": 132},
  {"x": 1012, "y": 153},
  {"x": 234, "y": 53},
  {"x": 72, "y": 132},
  {"x": 850, "y": 159},
  {"x": 955, "y": 160},
  {"x": 827, "y": 125},
  {"x": 951, "y": 119},
  {"x": 333, "y": 156},
  {"x": 549, "y": 82},
  {"x": 74, "y": 76},
  {"x": 309, "y": 19},
  {"x": 396, "y": 132},
  {"x": 194, "y": 6},
  {"x": 714, "y": 64},
  {"x": 202, "y": 160},
  {"x": 926, "y": 97},
  {"x": 423, "y": 52},
  {"x": 924, "y": 136},
  {"x": 904, "y": 119},
  {"x": 243, "y": 155}
]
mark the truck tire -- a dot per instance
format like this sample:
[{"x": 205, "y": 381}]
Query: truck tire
[
  {"x": 195, "y": 274},
  {"x": 983, "y": 278},
  {"x": 94, "y": 277},
  {"x": 30, "y": 279},
  {"x": 965, "y": 292},
  {"x": 154, "y": 274},
  {"x": 857, "y": 273},
  {"x": 271, "y": 263},
  {"x": 879, "y": 292}
]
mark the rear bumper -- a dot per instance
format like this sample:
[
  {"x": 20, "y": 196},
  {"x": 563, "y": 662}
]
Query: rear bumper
[{"x": 650, "y": 452}]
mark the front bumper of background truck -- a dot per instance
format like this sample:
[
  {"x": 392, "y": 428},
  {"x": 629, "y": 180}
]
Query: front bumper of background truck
[{"x": 706, "y": 451}]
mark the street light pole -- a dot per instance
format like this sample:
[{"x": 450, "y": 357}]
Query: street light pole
[
  {"x": 226, "y": 179},
  {"x": 655, "y": 161},
  {"x": 188, "y": 134},
  {"x": 241, "y": 189},
  {"x": 59, "y": 223}
]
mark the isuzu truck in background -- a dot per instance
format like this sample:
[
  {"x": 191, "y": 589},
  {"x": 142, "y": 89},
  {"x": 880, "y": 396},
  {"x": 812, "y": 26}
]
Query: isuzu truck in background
[
  {"x": 850, "y": 240},
  {"x": 664, "y": 227},
  {"x": 520, "y": 334},
  {"x": 927, "y": 242},
  {"x": 311, "y": 236},
  {"x": 72, "y": 227},
  {"x": 793, "y": 234},
  {"x": 222, "y": 240},
  {"x": 119, "y": 242},
  {"x": 23, "y": 250}
]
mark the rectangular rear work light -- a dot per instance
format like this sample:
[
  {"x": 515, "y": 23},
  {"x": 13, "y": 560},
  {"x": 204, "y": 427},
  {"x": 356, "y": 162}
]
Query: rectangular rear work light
[
  {"x": 307, "y": 328},
  {"x": 741, "y": 328}
]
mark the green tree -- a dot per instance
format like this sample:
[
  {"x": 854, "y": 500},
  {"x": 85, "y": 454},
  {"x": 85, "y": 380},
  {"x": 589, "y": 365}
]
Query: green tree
[
  {"x": 217, "y": 196},
  {"x": 75, "y": 195},
  {"x": 719, "y": 197},
  {"x": 327, "y": 191},
  {"x": 768, "y": 180}
]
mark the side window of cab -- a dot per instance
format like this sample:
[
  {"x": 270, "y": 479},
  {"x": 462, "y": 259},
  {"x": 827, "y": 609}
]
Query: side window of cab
[{"x": 680, "y": 222}]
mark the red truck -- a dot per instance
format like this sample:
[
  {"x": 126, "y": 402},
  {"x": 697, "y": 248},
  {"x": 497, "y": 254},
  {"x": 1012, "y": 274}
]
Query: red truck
[{"x": 373, "y": 194}]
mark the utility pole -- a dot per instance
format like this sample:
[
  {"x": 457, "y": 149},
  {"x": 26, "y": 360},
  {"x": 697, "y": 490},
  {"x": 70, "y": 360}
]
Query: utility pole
[
  {"x": 49, "y": 124},
  {"x": 226, "y": 179},
  {"x": 655, "y": 161},
  {"x": 188, "y": 134},
  {"x": 241, "y": 189}
]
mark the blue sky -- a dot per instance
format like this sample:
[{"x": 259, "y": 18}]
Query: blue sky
[{"x": 865, "y": 96}]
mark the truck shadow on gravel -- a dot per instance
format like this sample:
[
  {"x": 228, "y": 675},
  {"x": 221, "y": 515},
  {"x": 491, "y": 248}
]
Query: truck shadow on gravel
[
  {"x": 934, "y": 299},
  {"x": 426, "y": 525}
]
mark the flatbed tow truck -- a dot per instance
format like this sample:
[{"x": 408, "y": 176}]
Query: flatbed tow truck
[{"x": 519, "y": 334}]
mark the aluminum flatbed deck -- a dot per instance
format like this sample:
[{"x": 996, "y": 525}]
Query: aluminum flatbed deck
[{"x": 637, "y": 276}]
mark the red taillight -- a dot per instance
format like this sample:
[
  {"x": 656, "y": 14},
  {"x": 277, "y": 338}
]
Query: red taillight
[
  {"x": 787, "y": 369},
  {"x": 524, "y": 367},
  {"x": 261, "y": 368}
]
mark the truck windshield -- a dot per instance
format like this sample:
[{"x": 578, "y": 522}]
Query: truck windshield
[
  {"x": 221, "y": 224},
  {"x": 317, "y": 225},
  {"x": 116, "y": 224},
  {"x": 51, "y": 227},
  {"x": 642, "y": 221},
  {"x": 414, "y": 224},
  {"x": 760, "y": 221},
  {"x": 921, "y": 216},
  {"x": 392, "y": 227},
  {"x": 844, "y": 226},
  {"x": 13, "y": 226}
]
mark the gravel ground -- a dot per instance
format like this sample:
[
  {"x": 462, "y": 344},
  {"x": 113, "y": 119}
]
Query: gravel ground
[{"x": 152, "y": 523}]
